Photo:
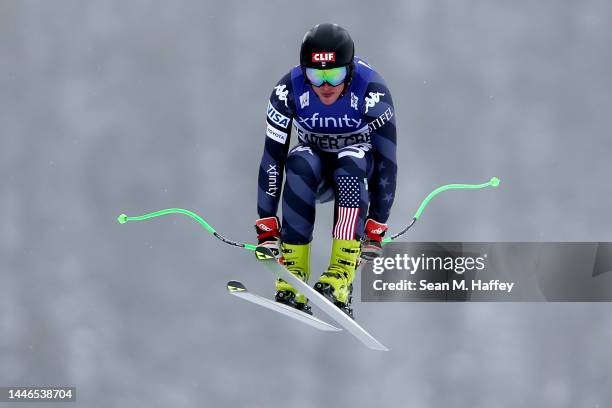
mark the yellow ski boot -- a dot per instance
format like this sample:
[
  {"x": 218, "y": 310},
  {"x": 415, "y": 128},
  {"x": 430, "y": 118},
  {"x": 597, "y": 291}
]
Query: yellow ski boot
[
  {"x": 337, "y": 282},
  {"x": 297, "y": 260}
]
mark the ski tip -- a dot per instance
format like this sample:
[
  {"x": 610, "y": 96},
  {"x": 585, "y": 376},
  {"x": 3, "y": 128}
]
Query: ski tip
[
  {"x": 235, "y": 286},
  {"x": 379, "y": 347},
  {"x": 263, "y": 253}
]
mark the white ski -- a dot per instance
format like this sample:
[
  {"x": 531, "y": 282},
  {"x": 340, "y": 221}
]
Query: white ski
[
  {"x": 238, "y": 289},
  {"x": 315, "y": 297}
]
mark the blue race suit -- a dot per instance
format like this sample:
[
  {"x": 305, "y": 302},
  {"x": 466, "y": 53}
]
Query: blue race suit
[{"x": 346, "y": 152}]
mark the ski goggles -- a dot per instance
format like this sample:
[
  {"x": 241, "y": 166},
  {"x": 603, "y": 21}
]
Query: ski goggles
[{"x": 333, "y": 76}]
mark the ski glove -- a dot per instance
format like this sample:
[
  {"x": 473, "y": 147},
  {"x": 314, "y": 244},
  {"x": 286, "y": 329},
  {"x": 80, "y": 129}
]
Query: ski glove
[
  {"x": 371, "y": 245},
  {"x": 268, "y": 235}
]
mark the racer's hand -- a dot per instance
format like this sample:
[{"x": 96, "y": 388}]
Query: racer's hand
[
  {"x": 268, "y": 235},
  {"x": 371, "y": 245}
]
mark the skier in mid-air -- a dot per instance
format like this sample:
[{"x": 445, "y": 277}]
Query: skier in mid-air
[{"x": 343, "y": 116}]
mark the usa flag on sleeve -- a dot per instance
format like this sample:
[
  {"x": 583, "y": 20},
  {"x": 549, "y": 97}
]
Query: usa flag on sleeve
[{"x": 348, "y": 207}]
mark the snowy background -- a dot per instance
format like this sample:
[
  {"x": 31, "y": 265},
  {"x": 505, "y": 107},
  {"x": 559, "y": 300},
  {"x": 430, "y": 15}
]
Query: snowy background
[{"x": 134, "y": 106}]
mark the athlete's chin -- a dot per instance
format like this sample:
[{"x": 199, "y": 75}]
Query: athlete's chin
[{"x": 328, "y": 99}]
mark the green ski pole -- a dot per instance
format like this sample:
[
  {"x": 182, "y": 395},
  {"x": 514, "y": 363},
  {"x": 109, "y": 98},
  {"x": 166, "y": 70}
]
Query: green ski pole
[
  {"x": 494, "y": 182},
  {"x": 122, "y": 219}
]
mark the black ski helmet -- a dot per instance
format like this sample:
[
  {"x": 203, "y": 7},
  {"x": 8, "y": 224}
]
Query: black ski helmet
[{"x": 327, "y": 46}]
